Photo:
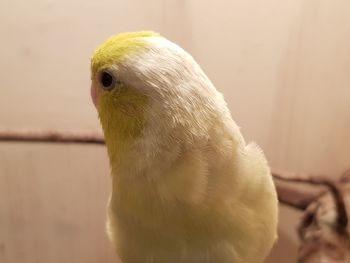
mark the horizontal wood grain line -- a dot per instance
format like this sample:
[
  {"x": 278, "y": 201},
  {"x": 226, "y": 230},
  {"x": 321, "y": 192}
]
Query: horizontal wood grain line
[{"x": 51, "y": 136}]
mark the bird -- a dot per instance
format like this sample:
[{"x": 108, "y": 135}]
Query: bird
[{"x": 185, "y": 186}]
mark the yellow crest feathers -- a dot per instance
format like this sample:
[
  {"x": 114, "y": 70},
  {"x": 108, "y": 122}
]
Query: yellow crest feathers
[{"x": 118, "y": 47}]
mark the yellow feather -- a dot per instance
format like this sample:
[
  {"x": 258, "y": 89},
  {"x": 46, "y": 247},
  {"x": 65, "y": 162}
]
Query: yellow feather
[
  {"x": 117, "y": 48},
  {"x": 122, "y": 109},
  {"x": 122, "y": 115}
]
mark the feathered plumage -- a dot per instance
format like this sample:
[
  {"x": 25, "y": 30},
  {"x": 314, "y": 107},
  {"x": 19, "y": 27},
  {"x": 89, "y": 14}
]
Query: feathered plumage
[{"x": 186, "y": 186}]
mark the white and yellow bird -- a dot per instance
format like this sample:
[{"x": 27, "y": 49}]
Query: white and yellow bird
[{"x": 186, "y": 187}]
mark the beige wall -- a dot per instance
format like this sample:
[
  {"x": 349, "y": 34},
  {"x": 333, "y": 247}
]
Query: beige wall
[{"x": 282, "y": 65}]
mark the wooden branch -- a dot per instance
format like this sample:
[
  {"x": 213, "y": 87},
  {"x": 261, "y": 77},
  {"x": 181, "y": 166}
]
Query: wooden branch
[
  {"x": 289, "y": 191},
  {"x": 302, "y": 178},
  {"x": 325, "y": 237},
  {"x": 51, "y": 136},
  {"x": 293, "y": 196},
  {"x": 304, "y": 199}
]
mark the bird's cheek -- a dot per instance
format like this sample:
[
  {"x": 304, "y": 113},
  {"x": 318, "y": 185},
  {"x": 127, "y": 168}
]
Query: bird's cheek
[{"x": 93, "y": 93}]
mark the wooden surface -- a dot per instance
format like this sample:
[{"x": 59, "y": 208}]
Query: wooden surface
[
  {"x": 282, "y": 66},
  {"x": 52, "y": 200}
]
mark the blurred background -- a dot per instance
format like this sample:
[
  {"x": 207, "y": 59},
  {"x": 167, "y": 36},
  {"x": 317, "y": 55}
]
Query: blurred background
[{"x": 283, "y": 67}]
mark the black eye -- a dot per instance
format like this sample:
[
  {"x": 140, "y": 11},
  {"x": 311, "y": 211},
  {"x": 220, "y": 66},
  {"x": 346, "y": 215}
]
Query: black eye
[{"x": 107, "y": 80}]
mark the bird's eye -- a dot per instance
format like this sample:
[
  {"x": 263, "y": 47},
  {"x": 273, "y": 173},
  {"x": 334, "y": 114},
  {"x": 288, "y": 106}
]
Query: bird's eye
[{"x": 107, "y": 80}]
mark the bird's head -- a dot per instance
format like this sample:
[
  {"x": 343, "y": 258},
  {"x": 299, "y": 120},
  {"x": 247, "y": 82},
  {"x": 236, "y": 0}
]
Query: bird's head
[
  {"x": 120, "y": 103},
  {"x": 141, "y": 80}
]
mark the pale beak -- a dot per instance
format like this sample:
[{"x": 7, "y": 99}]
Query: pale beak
[{"x": 93, "y": 93}]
